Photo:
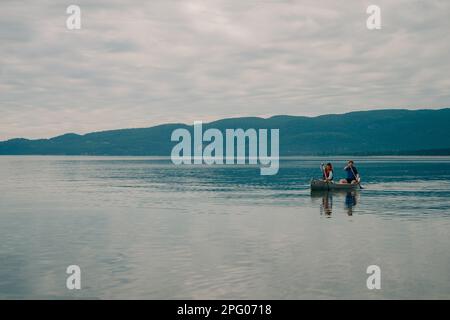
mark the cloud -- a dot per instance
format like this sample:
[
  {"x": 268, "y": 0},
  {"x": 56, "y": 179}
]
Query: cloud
[{"x": 136, "y": 64}]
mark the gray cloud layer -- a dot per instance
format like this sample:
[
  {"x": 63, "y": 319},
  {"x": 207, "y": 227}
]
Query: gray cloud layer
[{"x": 144, "y": 63}]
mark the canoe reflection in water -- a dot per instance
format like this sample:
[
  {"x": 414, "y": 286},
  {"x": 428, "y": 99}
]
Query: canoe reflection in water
[{"x": 326, "y": 206}]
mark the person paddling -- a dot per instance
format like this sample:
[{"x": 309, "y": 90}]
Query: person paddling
[
  {"x": 327, "y": 172},
  {"x": 352, "y": 173}
]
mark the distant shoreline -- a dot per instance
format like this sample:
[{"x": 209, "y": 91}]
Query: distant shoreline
[
  {"x": 361, "y": 133},
  {"x": 286, "y": 157}
]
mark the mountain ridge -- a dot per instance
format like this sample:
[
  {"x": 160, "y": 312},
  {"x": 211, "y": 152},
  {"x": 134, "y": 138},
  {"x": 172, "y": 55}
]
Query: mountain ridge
[{"x": 388, "y": 131}]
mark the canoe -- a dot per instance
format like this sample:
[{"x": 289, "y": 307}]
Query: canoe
[{"x": 322, "y": 185}]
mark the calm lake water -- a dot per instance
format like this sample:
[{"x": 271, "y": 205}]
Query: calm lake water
[{"x": 144, "y": 228}]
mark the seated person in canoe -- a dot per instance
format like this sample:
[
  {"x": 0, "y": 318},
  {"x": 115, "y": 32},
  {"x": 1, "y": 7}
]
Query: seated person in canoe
[
  {"x": 352, "y": 173},
  {"x": 327, "y": 172}
]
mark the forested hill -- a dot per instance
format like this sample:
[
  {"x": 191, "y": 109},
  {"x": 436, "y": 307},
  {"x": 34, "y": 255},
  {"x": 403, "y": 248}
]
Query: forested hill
[{"x": 363, "y": 132}]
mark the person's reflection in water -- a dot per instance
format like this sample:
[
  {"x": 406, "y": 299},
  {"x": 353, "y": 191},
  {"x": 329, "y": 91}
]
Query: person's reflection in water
[
  {"x": 327, "y": 204},
  {"x": 350, "y": 202}
]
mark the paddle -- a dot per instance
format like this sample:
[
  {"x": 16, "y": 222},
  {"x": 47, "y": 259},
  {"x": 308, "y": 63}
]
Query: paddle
[{"x": 357, "y": 180}]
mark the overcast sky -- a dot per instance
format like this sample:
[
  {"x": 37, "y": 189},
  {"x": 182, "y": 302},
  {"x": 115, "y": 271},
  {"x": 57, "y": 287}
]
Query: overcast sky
[{"x": 136, "y": 65}]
